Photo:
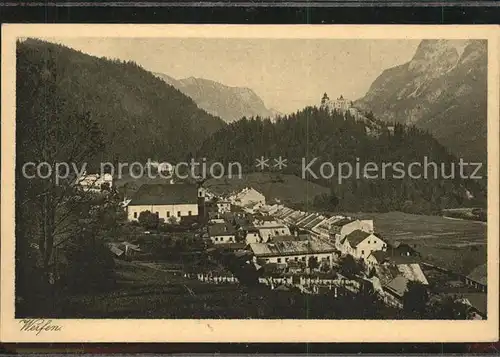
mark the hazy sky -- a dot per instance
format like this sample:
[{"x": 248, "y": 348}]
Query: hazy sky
[{"x": 287, "y": 74}]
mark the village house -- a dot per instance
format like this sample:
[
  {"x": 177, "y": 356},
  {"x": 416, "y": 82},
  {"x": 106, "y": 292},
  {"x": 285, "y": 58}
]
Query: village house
[
  {"x": 402, "y": 249},
  {"x": 344, "y": 226},
  {"x": 268, "y": 229},
  {"x": 478, "y": 278},
  {"x": 223, "y": 206},
  {"x": 396, "y": 289},
  {"x": 215, "y": 217},
  {"x": 360, "y": 244},
  {"x": 252, "y": 236},
  {"x": 377, "y": 257},
  {"x": 167, "y": 201},
  {"x": 298, "y": 251},
  {"x": 95, "y": 182},
  {"x": 248, "y": 197},
  {"x": 322, "y": 229},
  {"x": 221, "y": 233}
]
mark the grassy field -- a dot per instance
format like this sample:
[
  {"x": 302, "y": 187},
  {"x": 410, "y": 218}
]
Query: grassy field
[
  {"x": 144, "y": 291},
  {"x": 286, "y": 188},
  {"x": 451, "y": 243}
]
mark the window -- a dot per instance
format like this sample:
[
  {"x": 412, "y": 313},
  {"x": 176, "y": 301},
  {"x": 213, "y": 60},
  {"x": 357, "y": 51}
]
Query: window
[
  {"x": 283, "y": 231},
  {"x": 168, "y": 213},
  {"x": 230, "y": 239},
  {"x": 216, "y": 239},
  {"x": 135, "y": 214},
  {"x": 279, "y": 260},
  {"x": 286, "y": 259},
  {"x": 303, "y": 259},
  {"x": 157, "y": 214},
  {"x": 189, "y": 213},
  {"x": 362, "y": 252},
  {"x": 178, "y": 213},
  {"x": 296, "y": 259},
  {"x": 222, "y": 239}
]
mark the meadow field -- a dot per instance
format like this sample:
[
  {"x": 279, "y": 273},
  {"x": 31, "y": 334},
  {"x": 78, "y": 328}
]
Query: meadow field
[{"x": 452, "y": 243}]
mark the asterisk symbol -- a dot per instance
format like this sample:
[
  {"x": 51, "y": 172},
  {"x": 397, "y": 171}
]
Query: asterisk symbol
[
  {"x": 262, "y": 163},
  {"x": 280, "y": 163}
]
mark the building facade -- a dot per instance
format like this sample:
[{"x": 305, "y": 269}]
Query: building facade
[
  {"x": 170, "y": 202},
  {"x": 361, "y": 244}
]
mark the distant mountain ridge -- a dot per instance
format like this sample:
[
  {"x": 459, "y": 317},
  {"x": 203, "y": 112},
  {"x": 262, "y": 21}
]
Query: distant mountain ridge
[
  {"x": 443, "y": 89},
  {"x": 228, "y": 103},
  {"x": 139, "y": 115}
]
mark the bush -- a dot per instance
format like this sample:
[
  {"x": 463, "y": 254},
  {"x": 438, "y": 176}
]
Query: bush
[{"x": 148, "y": 220}]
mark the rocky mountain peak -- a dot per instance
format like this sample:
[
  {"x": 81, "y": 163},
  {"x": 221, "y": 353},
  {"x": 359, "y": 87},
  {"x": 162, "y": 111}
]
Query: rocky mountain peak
[{"x": 441, "y": 89}]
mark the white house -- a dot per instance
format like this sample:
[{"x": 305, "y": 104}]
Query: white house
[
  {"x": 252, "y": 236},
  {"x": 164, "y": 200},
  {"x": 360, "y": 244},
  {"x": 268, "y": 229},
  {"x": 223, "y": 206},
  {"x": 345, "y": 226},
  {"x": 248, "y": 197},
  {"x": 221, "y": 233}
]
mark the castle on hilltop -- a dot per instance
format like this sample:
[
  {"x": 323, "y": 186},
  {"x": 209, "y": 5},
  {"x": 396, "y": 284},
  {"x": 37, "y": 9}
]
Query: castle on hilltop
[{"x": 340, "y": 104}]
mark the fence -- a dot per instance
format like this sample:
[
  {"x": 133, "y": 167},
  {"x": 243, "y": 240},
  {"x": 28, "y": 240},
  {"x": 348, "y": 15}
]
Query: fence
[{"x": 215, "y": 279}]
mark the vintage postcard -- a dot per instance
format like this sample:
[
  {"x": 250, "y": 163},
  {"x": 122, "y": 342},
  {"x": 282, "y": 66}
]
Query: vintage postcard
[{"x": 199, "y": 183}]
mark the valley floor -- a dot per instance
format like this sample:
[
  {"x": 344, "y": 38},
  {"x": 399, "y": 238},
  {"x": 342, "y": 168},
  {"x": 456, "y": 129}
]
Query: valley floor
[{"x": 458, "y": 245}]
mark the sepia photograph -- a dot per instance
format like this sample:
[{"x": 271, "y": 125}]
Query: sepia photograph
[{"x": 218, "y": 174}]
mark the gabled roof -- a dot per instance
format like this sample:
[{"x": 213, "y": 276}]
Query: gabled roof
[
  {"x": 168, "y": 194},
  {"x": 413, "y": 272},
  {"x": 220, "y": 229},
  {"x": 115, "y": 250},
  {"x": 342, "y": 222},
  {"x": 398, "y": 285},
  {"x": 386, "y": 273},
  {"x": 379, "y": 255},
  {"x": 336, "y": 226},
  {"x": 478, "y": 301},
  {"x": 314, "y": 222},
  {"x": 356, "y": 237},
  {"x": 479, "y": 275}
]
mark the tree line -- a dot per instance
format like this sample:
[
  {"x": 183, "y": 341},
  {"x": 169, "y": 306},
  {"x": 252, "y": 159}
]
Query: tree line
[{"x": 332, "y": 136}]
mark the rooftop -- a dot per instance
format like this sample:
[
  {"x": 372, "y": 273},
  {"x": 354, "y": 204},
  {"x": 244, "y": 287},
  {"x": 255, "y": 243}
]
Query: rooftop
[
  {"x": 220, "y": 229},
  {"x": 413, "y": 272},
  {"x": 478, "y": 301},
  {"x": 398, "y": 285},
  {"x": 165, "y": 194},
  {"x": 379, "y": 255},
  {"x": 356, "y": 237},
  {"x": 287, "y": 238},
  {"x": 291, "y": 248}
]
